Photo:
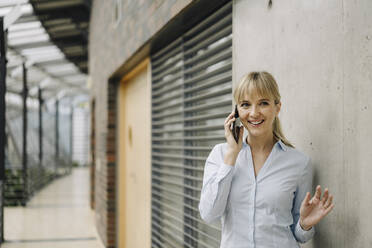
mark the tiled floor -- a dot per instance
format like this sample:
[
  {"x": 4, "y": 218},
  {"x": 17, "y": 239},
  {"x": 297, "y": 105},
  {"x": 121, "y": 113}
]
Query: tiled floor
[{"x": 58, "y": 216}]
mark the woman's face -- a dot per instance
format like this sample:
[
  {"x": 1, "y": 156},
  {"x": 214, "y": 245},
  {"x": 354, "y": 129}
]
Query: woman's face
[{"x": 257, "y": 113}]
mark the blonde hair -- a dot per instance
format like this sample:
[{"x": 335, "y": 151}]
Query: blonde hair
[{"x": 266, "y": 86}]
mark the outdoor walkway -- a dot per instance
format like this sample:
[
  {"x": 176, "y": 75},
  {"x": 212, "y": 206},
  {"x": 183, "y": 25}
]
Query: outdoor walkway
[{"x": 58, "y": 216}]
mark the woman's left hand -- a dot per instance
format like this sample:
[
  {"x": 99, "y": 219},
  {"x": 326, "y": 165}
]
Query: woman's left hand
[{"x": 314, "y": 209}]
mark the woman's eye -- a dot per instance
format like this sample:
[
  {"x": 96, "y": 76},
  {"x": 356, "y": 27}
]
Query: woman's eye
[{"x": 245, "y": 105}]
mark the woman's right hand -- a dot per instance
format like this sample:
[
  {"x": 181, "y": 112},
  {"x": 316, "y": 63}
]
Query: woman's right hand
[{"x": 233, "y": 147}]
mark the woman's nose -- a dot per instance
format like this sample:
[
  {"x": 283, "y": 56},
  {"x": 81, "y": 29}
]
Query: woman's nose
[{"x": 254, "y": 111}]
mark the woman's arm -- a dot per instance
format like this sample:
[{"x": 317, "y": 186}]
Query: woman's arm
[
  {"x": 218, "y": 174},
  {"x": 304, "y": 186},
  {"x": 216, "y": 186},
  {"x": 312, "y": 209}
]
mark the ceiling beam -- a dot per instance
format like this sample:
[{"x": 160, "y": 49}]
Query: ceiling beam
[
  {"x": 43, "y": 71},
  {"x": 50, "y": 4},
  {"x": 55, "y": 15},
  {"x": 76, "y": 13}
]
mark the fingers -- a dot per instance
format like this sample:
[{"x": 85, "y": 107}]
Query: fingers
[
  {"x": 316, "y": 197},
  {"x": 231, "y": 115},
  {"x": 328, "y": 203},
  {"x": 241, "y": 131},
  {"x": 306, "y": 201},
  {"x": 325, "y": 196},
  {"x": 229, "y": 119},
  {"x": 328, "y": 206},
  {"x": 228, "y": 123},
  {"x": 318, "y": 192},
  {"x": 329, "y": 209}
]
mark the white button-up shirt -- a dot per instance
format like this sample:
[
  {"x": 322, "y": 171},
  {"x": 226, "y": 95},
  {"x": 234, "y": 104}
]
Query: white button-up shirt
[{"x": 262, "y": 211}]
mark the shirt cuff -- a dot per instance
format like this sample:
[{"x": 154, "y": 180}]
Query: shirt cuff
[
  {"x": 304, "y": 235},
  {"x": 223, "y": 171}
]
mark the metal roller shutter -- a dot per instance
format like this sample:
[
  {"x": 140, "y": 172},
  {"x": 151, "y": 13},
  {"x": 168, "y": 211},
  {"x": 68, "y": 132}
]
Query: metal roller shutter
[{"x": 191, "y": 97}]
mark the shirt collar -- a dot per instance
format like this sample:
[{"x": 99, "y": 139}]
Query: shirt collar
[{"x": 281, "y": 144}]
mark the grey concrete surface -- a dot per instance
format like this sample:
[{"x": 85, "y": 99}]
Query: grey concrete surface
[{"x": 320, "y": 52}]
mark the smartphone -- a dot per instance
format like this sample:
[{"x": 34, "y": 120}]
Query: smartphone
[{"x": 236, "y": 125}]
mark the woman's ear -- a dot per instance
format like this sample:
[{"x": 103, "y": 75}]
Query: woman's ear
[{"x": 278, "y": 107}]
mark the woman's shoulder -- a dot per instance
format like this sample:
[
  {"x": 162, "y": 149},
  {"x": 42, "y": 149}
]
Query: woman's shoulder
[
  {"x": 297, "y": 155},
  {"x": 220, "y": 147},
  {"x": 217, "y": 152}
]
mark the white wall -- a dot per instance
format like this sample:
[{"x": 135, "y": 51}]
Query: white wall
[
  {"x": 81, "y": 132},
  {"x": 320, "y": 52}
]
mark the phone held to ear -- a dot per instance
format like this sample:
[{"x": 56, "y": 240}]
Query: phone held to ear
[{"x": 236, "y": 125}]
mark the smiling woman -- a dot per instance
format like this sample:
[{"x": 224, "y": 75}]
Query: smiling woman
[{"x": 260, "y": 187}]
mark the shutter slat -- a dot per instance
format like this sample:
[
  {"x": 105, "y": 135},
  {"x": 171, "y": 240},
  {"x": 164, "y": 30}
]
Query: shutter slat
[
  {"x": 166, "y": 106},
  {"x": 170, "y": 70},
  {"x": 163, "y": 171},
  {"x": 193, "y": 148},
  {"x": 170, "y": 80},
  {"x": 202, "y": 36},
  {"x": 196, "y": 118},
  {"x": 216, "y": 80},
  {"x": 194, "y": 128},
  {"x": 175, "y": 193},
  {"x": 162, "y": 196},
  {"x": 188, "y": 216},
  {"x": 225, "y": 10},
  {"x": 161, "y": 56},
  {"x": 202, "y": 76},
  {"x": 211, "y": 61},
  {"x": 173, "y": 156},
  {"x": 165, "y": 65},
  {"x": 176, "y": 219},
  {"x": 167, "y": 114},
  {"x": 211, "y": 137},
  {"x": 213, "y": 50},
  {"x": 222, "y": 34},
  {"x": 180, "y": 167}
]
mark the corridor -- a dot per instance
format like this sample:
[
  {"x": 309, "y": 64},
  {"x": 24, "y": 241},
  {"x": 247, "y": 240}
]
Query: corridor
[{"x": 57, "y": 216}]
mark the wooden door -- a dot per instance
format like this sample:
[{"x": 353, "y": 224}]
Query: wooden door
[{"x": 134, "y": 184}]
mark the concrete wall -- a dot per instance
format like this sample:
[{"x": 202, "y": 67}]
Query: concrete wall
[{"x": 320, "y": 52}]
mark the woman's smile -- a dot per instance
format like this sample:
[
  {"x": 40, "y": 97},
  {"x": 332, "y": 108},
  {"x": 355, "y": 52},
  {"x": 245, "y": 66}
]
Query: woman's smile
[{"x": 256, "y": 123}]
